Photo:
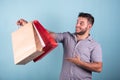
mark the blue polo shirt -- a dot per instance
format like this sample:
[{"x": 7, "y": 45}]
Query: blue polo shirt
[{"x": 88, "y": 50}]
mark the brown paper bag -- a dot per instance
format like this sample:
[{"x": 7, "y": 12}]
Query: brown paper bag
[{"x": 27, "y": 44}]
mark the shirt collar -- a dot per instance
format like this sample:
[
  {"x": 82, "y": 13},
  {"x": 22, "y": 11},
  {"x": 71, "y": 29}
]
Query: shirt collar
[{"x": 89, "y": 38}]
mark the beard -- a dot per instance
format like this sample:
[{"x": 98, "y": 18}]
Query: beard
[{"x": 82, "y": 32}]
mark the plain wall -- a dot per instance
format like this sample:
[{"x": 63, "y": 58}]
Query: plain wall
[{"x": 59, "y": 16}]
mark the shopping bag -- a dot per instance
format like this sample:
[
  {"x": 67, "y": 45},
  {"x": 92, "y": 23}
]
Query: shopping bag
[
  {"x": 27, "y": 44},
  {"x": 50, "y": 43}
]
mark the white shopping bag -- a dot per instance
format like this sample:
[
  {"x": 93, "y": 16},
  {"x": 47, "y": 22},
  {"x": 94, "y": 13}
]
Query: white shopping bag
[{"x": 27, "y": 44}]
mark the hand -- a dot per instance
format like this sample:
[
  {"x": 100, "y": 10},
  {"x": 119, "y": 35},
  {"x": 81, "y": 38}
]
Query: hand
[
  {"x": 76, "y": 60},
  {"x": 21, "y": 22},
  {"x": 91, "y": 66}
]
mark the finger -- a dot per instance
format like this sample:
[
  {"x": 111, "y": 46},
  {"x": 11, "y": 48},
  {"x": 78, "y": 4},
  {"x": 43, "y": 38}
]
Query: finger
[
  {"x": 23, "y": 20},
  {"x": 69, "y": 59},
  {"x": 18, "y": 22}
]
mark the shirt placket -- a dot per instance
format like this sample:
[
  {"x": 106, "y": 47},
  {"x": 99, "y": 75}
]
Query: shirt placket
[{"x": 73, "y": 55}]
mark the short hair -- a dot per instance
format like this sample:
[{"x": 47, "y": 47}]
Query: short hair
[{"x": 89, "y": 17}]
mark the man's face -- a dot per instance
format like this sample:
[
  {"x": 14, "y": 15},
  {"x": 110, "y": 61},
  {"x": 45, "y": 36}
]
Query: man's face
[{"x": 82, "y": 26}]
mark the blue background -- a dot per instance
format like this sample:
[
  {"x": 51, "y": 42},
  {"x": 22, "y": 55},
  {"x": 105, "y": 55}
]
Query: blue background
[{"x": 59, "y": 16}]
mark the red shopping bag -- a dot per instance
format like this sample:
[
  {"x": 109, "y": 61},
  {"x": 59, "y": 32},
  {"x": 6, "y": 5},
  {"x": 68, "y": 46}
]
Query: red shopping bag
[{"x": 50, "y": 43}]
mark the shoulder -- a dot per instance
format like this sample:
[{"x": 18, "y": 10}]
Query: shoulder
[
  {"x": 94, "y": 43},
  {"x": 60, "y": 37}
]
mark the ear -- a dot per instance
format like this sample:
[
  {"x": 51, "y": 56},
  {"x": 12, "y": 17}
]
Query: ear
[{"x": 90, "y": 26}]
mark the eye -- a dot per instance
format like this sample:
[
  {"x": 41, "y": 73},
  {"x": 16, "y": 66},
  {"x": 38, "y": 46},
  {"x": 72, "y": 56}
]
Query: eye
[{"x": 81, "y": 23}]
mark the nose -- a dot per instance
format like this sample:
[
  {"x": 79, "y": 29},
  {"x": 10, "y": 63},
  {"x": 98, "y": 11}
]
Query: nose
[{"x": 77, "y": 25}]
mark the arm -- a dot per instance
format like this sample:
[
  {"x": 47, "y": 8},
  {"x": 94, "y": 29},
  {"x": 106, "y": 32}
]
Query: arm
[
  {"x": 92, "y": 66},
  {"x": 52, "y": 34}
]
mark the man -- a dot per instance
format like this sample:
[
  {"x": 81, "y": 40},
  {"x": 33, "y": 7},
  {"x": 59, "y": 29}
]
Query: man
[{"x": 82, "y": 54}]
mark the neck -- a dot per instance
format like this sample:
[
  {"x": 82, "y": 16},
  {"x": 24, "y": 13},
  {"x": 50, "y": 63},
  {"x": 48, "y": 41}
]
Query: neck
[{"x": 82, "y": 37}]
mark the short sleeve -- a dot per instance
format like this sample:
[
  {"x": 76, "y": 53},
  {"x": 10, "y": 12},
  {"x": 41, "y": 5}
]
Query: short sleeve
[
  {"x": 59, "y": 37},
  {"x": 96, "y": 55}
]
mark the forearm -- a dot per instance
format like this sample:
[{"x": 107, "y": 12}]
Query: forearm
[
  {"x": 92, "y": 66},
  {"x": 52, "y": 34}
]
